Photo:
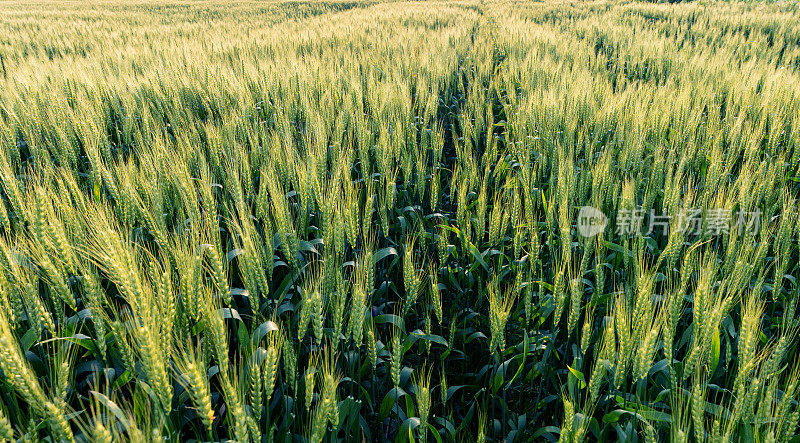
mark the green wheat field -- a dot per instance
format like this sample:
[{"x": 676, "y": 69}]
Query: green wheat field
[{"x": 426, "y": 221}]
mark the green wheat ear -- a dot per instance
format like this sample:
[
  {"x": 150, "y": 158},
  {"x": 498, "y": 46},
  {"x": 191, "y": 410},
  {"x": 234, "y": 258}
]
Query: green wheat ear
[
  {"x": 411, "y": 277},
  {"x": 193, "y": 377},
  {"x": 423, "y": 396},
  {"x": 6, "y": 432},
  {"x": 500, "y": 305},
  {"x": 396, "y": 357}
]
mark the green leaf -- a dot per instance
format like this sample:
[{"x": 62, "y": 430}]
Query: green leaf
[
  {"x": 435, "y": 433},
  {"x": 81, "y": 340},
  {"x": 27, "y": 340},
  {"x": 474, "y": 336},
  {"x": 391, "y": 318},
  {"x": 621, "y": 249},
  {"x": 230, "y": 313},
  {"x": 307, "y": 247},
  {"x": 233, "y": 253},
  {"x": 614, "y": 416},
  {"x": 96, "y": 191},
  {"x": 348, "y": 409},
  {"x": 408, "y": 426},
  {"x": 262, "y": 330},
  {"x": 113, "y": 408},
  {"x": 383, "y": 253},
  {"x": 715, "y": 345},
  {"x": 478, "y": 257},
  {"x": 389, "y": 401},
  {"x": 545, "y": 285},
  {"x": 243, "y": 335},
  {"x": 120, "y": 382},
  {"x": 547, "y": 430},
  {"x": 579, "y": 375},
  {"x": 417, "y": 335},
  {"x": 287, "y": 282},
  {"x": 525, "y": 340},
  {"x": 651, "y": 416}
]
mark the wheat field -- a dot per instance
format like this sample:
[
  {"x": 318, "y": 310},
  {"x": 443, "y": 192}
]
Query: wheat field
[{"x": 319, "y": 221}]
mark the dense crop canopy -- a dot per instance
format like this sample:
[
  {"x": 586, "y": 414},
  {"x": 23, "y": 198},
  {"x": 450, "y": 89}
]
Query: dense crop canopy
[{"x": 433, "y": 221}]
